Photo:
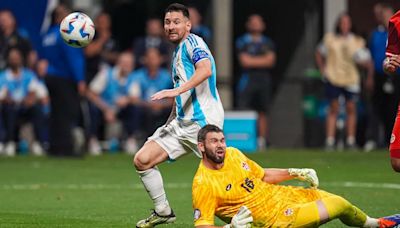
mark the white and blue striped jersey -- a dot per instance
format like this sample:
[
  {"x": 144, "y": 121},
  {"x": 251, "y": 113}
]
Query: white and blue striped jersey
[{"x": 201, "y": 104}]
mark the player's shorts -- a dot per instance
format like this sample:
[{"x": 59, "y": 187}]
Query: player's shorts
[
  {"x": 394, "y": 147},
  {"x": 177, "y": 138},
  {"x": 333, "y": 92},
  {"x": 255, "y": 92}
]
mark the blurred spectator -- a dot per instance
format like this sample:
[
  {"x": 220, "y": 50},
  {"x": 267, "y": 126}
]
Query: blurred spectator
[
  {"x": 154, "y": 38},
  {"x": 21, "y": 103},
  {"x": 337, "y": 57},
  {"x": 386, "y": 88},
  {"x": 197, "y": 27},
  {"x": 256, "y": 54},
  {"x": 64, "y": 69},
  {"x": 103, "y": 50},
  {"x": 110, "y": 95},
  {"x": 10, "y": 37},
  {"x": 147, "y": 81}
]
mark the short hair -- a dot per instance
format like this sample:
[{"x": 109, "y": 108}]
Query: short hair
[
  {"x": 201, "y": 136},
  {"x": 176, "y": 7}
]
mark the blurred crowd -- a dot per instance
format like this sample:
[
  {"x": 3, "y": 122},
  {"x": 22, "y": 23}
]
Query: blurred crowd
[{"x": 97, "y": 98}]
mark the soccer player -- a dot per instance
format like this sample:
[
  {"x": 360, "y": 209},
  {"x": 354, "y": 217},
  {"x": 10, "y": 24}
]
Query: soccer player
[
  {"x": 197, "y": 103},
  {"x": 390, "y": 65},
  {"x": 241, "y": 193}
]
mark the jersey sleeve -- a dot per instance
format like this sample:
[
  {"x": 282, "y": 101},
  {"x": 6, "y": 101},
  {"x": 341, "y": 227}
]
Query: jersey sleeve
[
  {"x": 204, "y": 203},
  {"x": 196, "y": 51},
  {"x": 393, "y": 44},
  {"x": 99, "y": 82}
]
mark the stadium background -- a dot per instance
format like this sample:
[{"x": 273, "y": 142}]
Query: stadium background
[
  {"x": 295, "y": 26},
  {"x": 105, "y": 192}
]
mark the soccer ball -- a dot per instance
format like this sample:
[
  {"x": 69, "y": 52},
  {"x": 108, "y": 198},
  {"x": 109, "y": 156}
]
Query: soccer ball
[{"x": 77, "y": 30}]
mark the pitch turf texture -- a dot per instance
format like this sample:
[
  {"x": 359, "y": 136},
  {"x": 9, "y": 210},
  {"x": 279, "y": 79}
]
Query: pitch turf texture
[{"x": 105, "y": 191}]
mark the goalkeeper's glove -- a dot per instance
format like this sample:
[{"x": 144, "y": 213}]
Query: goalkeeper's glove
[
  {"x": 242, "y": 219},
  {"x": 308, "y": 175}
]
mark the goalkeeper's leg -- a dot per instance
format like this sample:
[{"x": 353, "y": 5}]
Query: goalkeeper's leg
[{"x": 328, "y": 208}]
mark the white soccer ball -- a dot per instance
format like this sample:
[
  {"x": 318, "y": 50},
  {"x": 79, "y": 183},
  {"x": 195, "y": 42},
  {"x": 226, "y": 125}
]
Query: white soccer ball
[{"x": 77, "y": 30}]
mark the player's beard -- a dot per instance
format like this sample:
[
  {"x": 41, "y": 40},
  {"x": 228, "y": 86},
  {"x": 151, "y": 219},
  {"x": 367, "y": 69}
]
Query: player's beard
[{"x": 213, "y": 156}]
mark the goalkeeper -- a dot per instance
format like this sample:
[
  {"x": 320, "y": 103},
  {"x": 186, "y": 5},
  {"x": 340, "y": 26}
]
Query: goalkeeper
[{"x": 241, "y": 193}]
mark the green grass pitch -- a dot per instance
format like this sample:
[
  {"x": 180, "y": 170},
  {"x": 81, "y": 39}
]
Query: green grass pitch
[{"x": 105, "y": 191}]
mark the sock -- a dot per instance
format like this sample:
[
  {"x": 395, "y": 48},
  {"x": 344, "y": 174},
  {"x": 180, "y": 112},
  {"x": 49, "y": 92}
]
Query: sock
[
  {"x": 371, "y": 222},
  {"x": 342, "y": 209},
  {"x": 330, "y": 141},
  {"x": 351, "y": 140},
  {"x": 153, "y": 183}
]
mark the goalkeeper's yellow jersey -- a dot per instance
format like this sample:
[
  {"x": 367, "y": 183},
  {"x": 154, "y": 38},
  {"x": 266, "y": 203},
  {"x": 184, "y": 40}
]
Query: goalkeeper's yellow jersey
[{"x": 239, "y": 182}]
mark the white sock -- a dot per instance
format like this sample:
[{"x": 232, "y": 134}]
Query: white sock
[
  {"x": 330, "y": 141},
  {"x": 153, "y": 182},
  {"x": 371, "y": 222},
  {"x": 351, "y": 140}
]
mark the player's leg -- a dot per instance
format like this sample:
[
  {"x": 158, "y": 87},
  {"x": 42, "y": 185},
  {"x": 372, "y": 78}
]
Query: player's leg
[
  {"x": 351, "y": 119},
  {"x": 395, "y": 144},
  {"x": 331, "y": 207},
  {"x": 145, "y": 162},
  {"x": 168, "y": 142},
  {"x": 395, "y": 164},
  {"x": 351, "y": 123},
  {"x": 332, "y": 94}
]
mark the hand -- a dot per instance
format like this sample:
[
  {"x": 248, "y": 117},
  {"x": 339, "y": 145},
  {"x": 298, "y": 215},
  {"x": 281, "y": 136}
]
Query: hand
[
  {"x": 242, "y": 219},
  {"x": 41, "y": 68},
  {"x": 82, "y": 88},
  {"x": 156, "y": 106},
  {"x": 391, "y": 63},
  {"x": 165, "y": 93},
  {"x": 369, "y": 84},
  {"x": 122, "y": 101},
  {"x": 308, "y": 175}
]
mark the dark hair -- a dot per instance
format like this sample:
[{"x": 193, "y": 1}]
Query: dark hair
[
  {"x": 338, "y": 30},
  {"x": 201, "y": 136},
  {"x": 176, "y": 7}
]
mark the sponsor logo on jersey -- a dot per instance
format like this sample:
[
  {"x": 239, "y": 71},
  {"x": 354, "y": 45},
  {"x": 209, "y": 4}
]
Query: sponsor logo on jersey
[
  {"x": 245, "y": 166},
  {"x": 228, "y": 187},
  {"x": 196, "y": 214},
  {"x": 289, "y": 212},
  {"x": 392, "y": 138}
]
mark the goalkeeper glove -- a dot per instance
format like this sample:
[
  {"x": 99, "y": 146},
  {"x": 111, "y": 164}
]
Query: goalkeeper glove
[
  {"x": 308, "y": 175},
  {"x": 242, "y": 219}
]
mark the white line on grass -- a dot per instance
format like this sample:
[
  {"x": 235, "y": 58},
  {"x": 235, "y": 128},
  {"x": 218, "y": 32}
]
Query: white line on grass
[{"x": 44, "y": 186}]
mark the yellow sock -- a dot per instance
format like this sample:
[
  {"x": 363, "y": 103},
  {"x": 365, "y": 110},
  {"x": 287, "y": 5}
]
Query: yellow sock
[
  {"x": 328, "y": 208},
  {"x": 342, "y": 209}
]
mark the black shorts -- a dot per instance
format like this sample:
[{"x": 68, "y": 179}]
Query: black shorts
[{"x": 255, "y": 93}]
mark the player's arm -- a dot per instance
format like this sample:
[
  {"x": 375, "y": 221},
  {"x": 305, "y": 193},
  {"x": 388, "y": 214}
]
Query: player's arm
[
  {"x": 391, "y": 64},
  {"x": 320, "y": 59},
  {"x": 267, "y": 60},
  {"x": 202, "y": 72},
  {"x": 96, "y": 87},
  {"x": 392, "y": 60},
  {"x": 274, "y": 176}
]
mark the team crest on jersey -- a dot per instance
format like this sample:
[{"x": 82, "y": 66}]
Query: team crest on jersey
[
  {"x": 289, "y": 212},
  {"x": 392, "y": 138},
  {"x": 196, "y": 214},
  {"x": 228, "y": 187},
  {"x": 245, "y": 166}
]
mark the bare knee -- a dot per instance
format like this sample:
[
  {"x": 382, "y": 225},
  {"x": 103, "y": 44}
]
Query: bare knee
[
  {"x": 396, "y": 164},
  {"x": 141, "y": 162},
  {"x": 150, "y": 155}
]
